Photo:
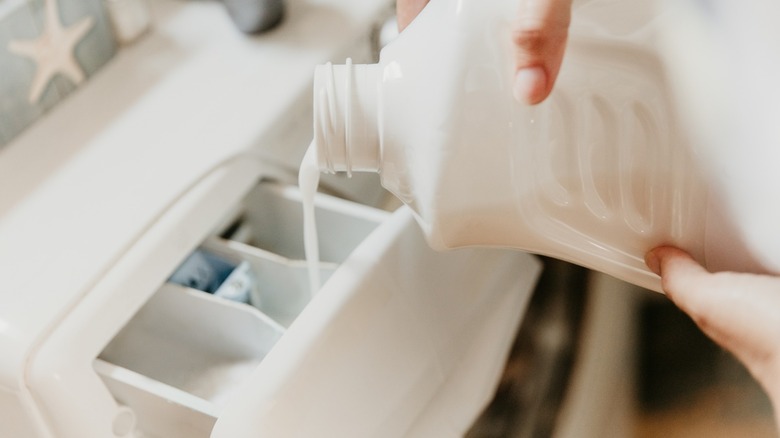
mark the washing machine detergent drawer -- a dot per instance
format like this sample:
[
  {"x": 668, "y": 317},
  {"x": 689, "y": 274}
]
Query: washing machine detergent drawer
[{"x": 399, "y": 341}]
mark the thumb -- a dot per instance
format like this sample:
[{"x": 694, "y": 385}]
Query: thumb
[
  {"x": 539, "y": 35},
  {"x": 407, "y": 10},
  {"x": 741, "y": 312}
]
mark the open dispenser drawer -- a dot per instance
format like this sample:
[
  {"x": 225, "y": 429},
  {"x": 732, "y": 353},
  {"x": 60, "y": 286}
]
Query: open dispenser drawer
[
  {"x": 399, "y": 340},
  {"x": 180, "y": 358}
]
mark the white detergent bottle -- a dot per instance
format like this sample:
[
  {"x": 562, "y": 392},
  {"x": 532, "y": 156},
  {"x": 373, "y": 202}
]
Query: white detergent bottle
[{"x": 597, "y": 175}]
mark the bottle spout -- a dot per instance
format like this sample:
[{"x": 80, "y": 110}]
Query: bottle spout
[{"x": 346, "y": 117}]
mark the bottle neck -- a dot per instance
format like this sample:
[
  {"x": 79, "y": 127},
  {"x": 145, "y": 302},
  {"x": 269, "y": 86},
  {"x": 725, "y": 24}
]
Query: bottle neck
[{"x": 346, "y": 117}]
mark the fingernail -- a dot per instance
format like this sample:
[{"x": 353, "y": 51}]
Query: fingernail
[
  {"x": 653, "y": 263},
  {"x": 530, "y": 84}
]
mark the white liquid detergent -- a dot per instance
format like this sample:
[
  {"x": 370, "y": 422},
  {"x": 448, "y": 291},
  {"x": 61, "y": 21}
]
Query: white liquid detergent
[
  {"x": 308, "y": 180},
  {"x": 597, "y": 175}
]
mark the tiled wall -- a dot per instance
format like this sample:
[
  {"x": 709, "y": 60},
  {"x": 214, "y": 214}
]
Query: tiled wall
[{"x": 22, "y": 24}]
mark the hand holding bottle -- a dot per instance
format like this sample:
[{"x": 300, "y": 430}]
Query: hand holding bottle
[
  {"x": 741, "y": 312},
  {"x": 539, "y": 35}
]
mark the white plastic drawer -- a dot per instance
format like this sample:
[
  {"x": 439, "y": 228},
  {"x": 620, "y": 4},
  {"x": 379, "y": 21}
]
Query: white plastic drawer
[
  {"x": 399, "y": 341},
  {"x": 181, "y": 357}
]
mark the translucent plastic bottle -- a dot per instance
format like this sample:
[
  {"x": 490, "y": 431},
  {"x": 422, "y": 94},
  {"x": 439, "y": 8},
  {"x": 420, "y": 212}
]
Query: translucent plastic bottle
[{"x": 597, "y": 175}]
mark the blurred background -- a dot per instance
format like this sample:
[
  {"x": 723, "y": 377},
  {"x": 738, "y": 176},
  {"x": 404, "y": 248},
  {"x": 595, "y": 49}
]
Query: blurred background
[{"x": 596, "y": 357}]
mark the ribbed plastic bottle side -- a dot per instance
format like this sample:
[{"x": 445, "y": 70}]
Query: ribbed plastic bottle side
[{"x": 605, "y": 173}]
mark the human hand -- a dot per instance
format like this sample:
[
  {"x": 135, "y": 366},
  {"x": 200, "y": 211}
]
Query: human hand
[
  {"x": 741, "y": 312},
  {"x": 539, "y": 35}
]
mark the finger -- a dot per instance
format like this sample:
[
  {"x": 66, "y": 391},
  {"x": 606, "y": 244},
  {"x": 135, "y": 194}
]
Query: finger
[
  {"x": 681, "y": 275},
  {"x": 406, "y": 10},
  {"x": 741, "y": 312},
  {"x": 539, "y": 35}
]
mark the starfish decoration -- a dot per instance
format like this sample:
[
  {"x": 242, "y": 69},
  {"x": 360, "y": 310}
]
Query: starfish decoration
[{"x": 53, "y": 50}]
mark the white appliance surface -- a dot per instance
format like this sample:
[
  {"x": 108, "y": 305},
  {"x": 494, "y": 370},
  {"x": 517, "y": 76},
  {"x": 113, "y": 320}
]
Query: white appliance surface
[
  {"x": 92, "y": 176},
  {"x": 109, "y": 160}
]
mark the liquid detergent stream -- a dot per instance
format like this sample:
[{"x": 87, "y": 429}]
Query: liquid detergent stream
[{"x": 308, "y": 180}]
